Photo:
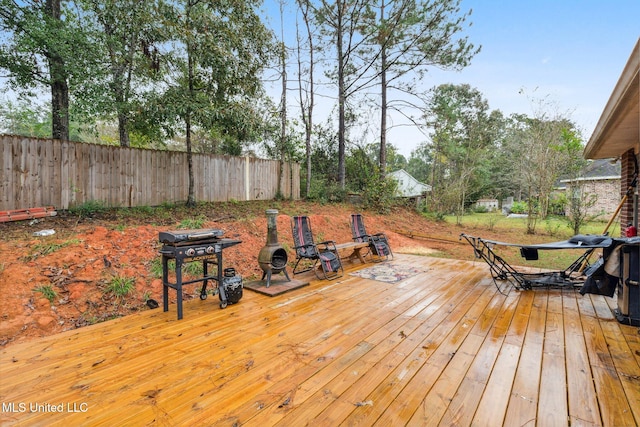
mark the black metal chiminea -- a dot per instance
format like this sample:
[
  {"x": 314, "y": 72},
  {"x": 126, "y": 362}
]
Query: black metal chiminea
[{"x": 272, "y": 257}]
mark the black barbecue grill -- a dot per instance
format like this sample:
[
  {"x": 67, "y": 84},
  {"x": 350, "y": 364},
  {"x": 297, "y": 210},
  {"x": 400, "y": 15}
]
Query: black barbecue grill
[{"x": 184, "y": 246}]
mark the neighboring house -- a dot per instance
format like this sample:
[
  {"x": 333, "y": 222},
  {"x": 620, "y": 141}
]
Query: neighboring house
[
  {"x": 489, "y": 204},
  {"x": 408, "y": 186},
  {"x": 617, "y": 135},
  {"x": 600, "y": 178}
]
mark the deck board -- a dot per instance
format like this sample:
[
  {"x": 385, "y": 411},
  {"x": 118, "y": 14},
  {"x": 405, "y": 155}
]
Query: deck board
[{"x": 442, "y": 347}]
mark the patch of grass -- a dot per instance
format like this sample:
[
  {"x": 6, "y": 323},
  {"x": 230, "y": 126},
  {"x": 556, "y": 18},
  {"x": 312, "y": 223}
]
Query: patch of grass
[
  {"x": 89, "y": 208},
  {"x": 47, "y": 291},
  {"x": 155, "y": 267},
  {"x": 194, "y": 269},
  {"x": 120, "y": 286},
  {"x": 192, "y": 223},
  {"x": 552, "y": 226},
  {"x": 142, "y": 210},
  {"x": 513, "y": 230},
  {"x": 43, "y": 249}
]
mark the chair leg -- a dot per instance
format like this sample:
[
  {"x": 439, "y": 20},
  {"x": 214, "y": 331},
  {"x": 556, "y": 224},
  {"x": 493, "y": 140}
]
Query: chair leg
[
  {"x": 375, "y": 249},
  {"x": 301, "y": 271},
  {"x": 331, "y": 275}
]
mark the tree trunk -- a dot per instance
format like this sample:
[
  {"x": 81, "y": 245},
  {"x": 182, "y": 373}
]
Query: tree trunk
[
  {"x": 383, "y": 106},
  {"x": 123, "y": 121},
  {"x": 59, "y": 87},
  {"x": 191, "y": 199},
  {"x": 283, "y": 119},
  {"x": 341, "y": 96},
  {"x": 309, "y": 120}
]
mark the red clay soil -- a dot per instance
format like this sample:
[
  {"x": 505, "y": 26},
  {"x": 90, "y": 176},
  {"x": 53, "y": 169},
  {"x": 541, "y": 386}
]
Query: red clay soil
[{"x": 83, "y": 257}]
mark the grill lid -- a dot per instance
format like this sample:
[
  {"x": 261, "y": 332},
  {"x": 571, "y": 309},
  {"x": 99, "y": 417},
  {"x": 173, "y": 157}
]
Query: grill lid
[{"x": 179, "y": 236}]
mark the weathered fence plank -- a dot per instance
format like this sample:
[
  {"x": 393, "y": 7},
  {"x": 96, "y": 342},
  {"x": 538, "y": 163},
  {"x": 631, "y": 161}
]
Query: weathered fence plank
[{"x": 43, "y": 172}]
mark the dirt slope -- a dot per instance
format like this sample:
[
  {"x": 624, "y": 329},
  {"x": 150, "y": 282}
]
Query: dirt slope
[{"x": 88, "y": 255}]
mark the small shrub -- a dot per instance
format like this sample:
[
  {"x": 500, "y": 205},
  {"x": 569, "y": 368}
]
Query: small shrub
[
  {"x": 47, "y": 291},
  {"x": 380, "y": 195},
  {"x": 144, "y": 210},
  {"x": 435, "y": 216},
  {"x": 326, "y": 192},
  {"x": 493, "y": 220},
  {"x": 155, "y": 267},
  {"x": 88, "y": 208},
  {"x": 552, "y": 226},
  {"x": 120, "y": 286},
  {"x": 191, "y": 223},
  {"x": 519, "y": 208}
]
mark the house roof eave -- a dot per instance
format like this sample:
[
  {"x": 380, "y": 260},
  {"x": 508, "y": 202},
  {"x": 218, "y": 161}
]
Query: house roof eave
[{"x": 618, "y": 128}]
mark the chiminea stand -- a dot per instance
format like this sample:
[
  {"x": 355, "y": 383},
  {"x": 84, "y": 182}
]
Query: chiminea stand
[{"x": 272, "y": 259}]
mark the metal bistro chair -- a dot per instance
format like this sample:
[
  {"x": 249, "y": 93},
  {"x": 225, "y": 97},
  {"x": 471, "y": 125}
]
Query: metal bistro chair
[
  {"x": 323, "y": 253},
  {"x": 378, "y": 243}
]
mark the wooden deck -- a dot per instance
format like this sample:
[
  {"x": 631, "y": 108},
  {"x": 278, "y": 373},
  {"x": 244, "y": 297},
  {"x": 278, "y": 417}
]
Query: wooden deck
[{"x": 442, "y": 347}]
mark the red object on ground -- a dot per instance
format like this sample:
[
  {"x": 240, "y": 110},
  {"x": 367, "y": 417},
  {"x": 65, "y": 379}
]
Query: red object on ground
[
  {"x": 22, "y": 214},
  {"x": 631, "y": 231}
]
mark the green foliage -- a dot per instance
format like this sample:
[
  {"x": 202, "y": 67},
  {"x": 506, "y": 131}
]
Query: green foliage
[
  {"x": 120, "y": 286},
  {"x": 519, "y": 207},
  {"x": 47, "y": 291},
  {"x": 557, "y": 204},
  {"x": 579, "y": 202},
  {"x": 88, "y": 208},
  {"x": 141, "y": 210},
  {"x": 192, "y": 223},
  {"x": 155, "y": 267},
  {"x": 23, "y": 119},
  {"x": 552, "y": 226},
  {"x": 194, "y": 269},
  {"x": 220, "y": 50},
  {"x": 465, "y": 133},
  {"x": 326, "y": 192},
  {"x": 31, "y": 119},
  {"x": 434, "y": 215},
  {"x": 380, "y": 194},
  {"x": 192, "y": 72}
]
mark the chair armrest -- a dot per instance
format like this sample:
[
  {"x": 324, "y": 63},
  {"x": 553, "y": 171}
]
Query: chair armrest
[
  {"x": 308, "y": 245},
  {"x": 327, "y": 245}
]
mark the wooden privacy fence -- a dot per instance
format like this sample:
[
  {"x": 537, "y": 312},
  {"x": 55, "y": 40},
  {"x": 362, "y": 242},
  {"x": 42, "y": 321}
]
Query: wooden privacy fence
[{"x": 44, "y": 172}]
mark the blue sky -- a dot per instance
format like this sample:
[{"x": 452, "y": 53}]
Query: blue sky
[
  {"x": 571, "y": 51},
  {"x": 568, "y": 53}
]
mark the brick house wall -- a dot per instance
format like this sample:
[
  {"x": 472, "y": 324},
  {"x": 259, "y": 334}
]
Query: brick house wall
[
  {"x": 607, "y": 191},
  {"x": 627, "y": 164}
]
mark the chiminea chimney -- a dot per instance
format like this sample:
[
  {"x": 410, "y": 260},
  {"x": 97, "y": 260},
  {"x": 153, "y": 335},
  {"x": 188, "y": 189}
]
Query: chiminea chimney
[{"x": 272, "y": 257}]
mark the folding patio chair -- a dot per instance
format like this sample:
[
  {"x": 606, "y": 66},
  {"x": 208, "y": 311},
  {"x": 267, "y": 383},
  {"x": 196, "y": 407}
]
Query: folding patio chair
[
  {"x": 323, "y": 253},
  {"x": 378, "y": 243}
]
